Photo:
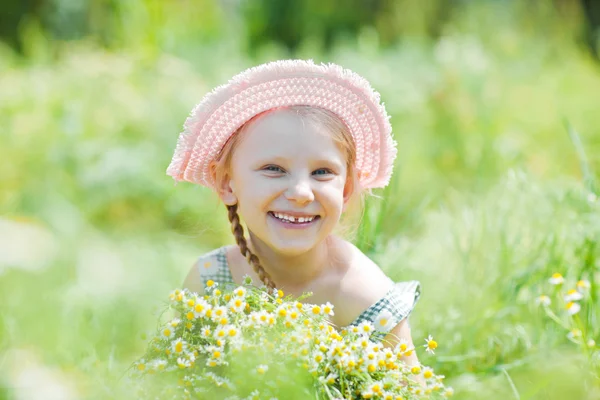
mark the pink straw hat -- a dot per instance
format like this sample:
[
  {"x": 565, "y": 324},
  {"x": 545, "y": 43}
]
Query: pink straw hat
[{"x": 280, "y": 84}]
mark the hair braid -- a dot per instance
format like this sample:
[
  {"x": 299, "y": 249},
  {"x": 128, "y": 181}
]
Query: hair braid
[{"x": 238, "y": 233}]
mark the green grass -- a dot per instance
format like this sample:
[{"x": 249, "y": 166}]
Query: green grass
[{"x": 492, "y": 193}]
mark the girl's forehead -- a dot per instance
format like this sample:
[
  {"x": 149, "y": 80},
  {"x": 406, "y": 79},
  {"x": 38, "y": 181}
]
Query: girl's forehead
[{"x": 285, "y": 132}]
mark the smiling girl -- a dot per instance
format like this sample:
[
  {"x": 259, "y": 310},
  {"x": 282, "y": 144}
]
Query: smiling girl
[{"x": 287, "y": 146}]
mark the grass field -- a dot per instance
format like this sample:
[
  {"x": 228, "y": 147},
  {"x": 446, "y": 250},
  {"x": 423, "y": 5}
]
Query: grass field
[{"x": 495, "y": 190}]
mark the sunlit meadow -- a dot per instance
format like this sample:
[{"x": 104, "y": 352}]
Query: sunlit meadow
[{"x": 494, "y": 205}]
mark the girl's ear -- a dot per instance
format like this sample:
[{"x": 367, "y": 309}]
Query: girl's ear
[
  {"x": 349, "y": 188},
  {"x": 227, "y": 191},
  {"x": 224, "y": 186}
]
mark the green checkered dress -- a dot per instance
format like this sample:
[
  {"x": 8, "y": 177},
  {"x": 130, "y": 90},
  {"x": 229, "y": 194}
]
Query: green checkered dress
[{"x": 394, "y": 306}]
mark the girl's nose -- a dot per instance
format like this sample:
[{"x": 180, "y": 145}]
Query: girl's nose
[{"x": 300, "y": 192}]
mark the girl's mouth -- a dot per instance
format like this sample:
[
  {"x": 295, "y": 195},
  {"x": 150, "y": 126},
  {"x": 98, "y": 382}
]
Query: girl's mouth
[{"x": 295, "y": 221}]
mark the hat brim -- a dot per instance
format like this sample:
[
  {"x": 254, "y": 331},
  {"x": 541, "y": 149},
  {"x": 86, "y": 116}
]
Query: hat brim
[{"x": 280, "y": 84}]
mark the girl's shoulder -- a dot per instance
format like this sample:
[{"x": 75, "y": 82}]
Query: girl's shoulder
[
  {"x": 209, "y": 266},
  {"x": 369, "y": 295}
]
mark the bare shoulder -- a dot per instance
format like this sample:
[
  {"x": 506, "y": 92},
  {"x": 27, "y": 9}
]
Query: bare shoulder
[
  {"x": 363, "y": 284},
  {"x": 193, "y": 280}
]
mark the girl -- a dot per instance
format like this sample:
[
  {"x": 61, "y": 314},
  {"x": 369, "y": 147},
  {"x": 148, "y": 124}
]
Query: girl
[{"x": 287, "y": 146}]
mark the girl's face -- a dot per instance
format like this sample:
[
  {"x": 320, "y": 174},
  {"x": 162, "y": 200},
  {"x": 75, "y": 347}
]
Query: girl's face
[{"x": 289, "y": 179}]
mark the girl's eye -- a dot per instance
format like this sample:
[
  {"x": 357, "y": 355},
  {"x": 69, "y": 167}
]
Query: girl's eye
[
  {"x": 273, "y": 168},
  {"x": 322, "y": 171}
]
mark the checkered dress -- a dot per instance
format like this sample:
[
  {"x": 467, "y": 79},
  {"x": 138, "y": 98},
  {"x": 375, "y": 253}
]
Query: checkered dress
[{"x": 392, "y": 308}]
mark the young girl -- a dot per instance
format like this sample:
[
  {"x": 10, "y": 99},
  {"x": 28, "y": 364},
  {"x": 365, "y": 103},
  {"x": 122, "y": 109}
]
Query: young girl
[{"x": 287, "y": 146}]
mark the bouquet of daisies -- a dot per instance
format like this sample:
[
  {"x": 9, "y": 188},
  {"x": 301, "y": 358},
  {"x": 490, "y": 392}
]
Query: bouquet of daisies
[{"x": 248, "y": 343}]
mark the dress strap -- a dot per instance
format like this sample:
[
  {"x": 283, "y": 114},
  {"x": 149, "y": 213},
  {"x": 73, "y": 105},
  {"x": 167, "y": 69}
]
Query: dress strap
[
  {"x": 213, "y": 266},
  {"x": 392, "y": 308}
]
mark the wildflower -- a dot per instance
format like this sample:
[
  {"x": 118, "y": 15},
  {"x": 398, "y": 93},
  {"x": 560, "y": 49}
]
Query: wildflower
[
  {"x": 573, "y": 295},
  {"x": 232, "y": 331},
  {"x": 556, "y": 279},
  {"x": 543, "y": 300},
  {"x": 220, "y": 332},
  {"x": 240, "y": 292},
  {"x": 328, "y": 309},
  {"x": 210, "y": 283},
  {"x": 316, "y": 310},
  {"x": 366, "y": 327},
  {"x": 262, "y": 369},
  {"x": 376, "y": 388},
  {"x": 183, "y": 363},
  {"x": 383, "y": 321},
  {"x": 430, "y": 345},
  {"x": 416, "y": 370},
  {"x": 247, "y": 279},
  {"x": 573, "y": 308},
  {"x": 427, "y": 372},
  {"x": 167, "y": 331},
  {"x": 402, "y": 346},
  {"x": 178, "y": 346},
  {"x": 158, "y": 365},
  {"x": 206, "y": 332},
  {"x": 280, "y": 293},
  {"x": 201, "y": 308},
  {"x": 574, "y": 333},
  {"x": 448, "y": 392},
  {"x": 583, "y": 284},
  {"x": 329, "y": 379},
  {"x": 237, "y": 305},
  {"x": 141, "y": 365}
]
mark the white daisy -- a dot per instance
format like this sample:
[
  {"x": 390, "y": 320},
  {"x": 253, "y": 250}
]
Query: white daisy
[
  {"x": 583, "y": 284},
  {"x": 556, "y": 279},
  {"x": 383, "y": 321},
  {"x": 328, "y": 309},
  {"x": 573, "y": 308},
  {"x": 543, "y": 300},
  {"x": 573, "y": 295},
  {"x": 366, "y": 327}
]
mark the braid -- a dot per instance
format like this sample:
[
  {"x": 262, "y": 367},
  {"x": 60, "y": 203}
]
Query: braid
[{"x": 238, "y": 233}]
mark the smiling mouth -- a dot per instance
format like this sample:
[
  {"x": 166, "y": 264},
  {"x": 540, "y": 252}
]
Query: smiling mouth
[{"x": 290, "y": 219}]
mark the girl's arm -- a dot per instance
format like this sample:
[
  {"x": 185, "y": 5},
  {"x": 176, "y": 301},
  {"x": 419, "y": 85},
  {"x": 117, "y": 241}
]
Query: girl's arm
[
  {"x": 193, "y": 281},
  {"x": 402, "y": 331}
]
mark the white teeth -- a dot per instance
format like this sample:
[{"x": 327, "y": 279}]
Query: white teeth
[{"x": 293, "y": 219}]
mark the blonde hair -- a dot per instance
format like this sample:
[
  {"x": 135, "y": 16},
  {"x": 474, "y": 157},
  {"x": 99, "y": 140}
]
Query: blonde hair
[{"x": 341, "y": 136}]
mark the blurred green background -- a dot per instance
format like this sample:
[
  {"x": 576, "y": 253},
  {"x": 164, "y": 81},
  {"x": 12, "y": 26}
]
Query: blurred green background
[{"x": 496, "y": 108}]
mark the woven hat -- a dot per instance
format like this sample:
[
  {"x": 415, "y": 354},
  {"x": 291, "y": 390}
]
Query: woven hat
[{"x": 279, "y": 84}]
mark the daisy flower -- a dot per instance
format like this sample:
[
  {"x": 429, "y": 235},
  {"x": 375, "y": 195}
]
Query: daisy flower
[
  {"x": 240, "y": 292},
  {"x": 430, "y": 345},
  {"x": 366, "y": 327},
  {"x": 556, "y": 279},
  {"x": 583, "y": 284},
  {"x": 328, "y": 309},
  {"x": 237, "y": 304},
  {"x": 543, "y": 300},
  {"x": 574, "y": 333},
  {"x": 262, "y": 369},
  {"x": 573, "y": 295},
  {"x": 383, "y": 321},
  {"x": 178, "y": 346},
  {"x": 573, "y": 308}
]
